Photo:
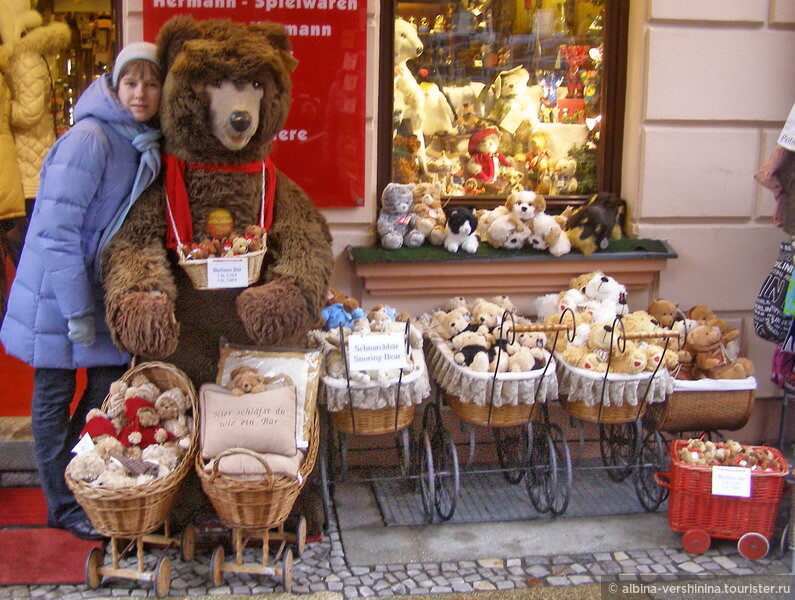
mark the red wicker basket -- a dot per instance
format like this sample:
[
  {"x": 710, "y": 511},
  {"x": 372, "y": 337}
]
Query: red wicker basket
[{"x": 692, "y": 506}]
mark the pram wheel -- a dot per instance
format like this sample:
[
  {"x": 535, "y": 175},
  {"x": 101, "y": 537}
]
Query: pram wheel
[
  {"x": 512, "y": 446},
  {"x": 542, "y": 473},
  {"x": 618, "y": 446},
  {"x": 559, "y": 498},
  {"x": 651, "y": 460}
]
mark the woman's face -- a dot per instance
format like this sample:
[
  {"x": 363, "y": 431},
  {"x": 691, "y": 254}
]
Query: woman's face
[{"x": 139, "y": 92}]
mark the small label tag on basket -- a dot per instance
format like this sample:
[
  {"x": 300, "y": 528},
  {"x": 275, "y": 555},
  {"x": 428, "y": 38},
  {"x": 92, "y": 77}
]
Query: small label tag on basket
[
  {"x": 83, "y": 445},
  {"x": 227, "y": 272},
  {"x": 379, "y": 351},
  {"x": 731, "y": 481}
]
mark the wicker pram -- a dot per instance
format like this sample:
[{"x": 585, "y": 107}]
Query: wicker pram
[
  {"x": 256, "y": 508},
  {"x": 500, "y": 400},
  {"x": 705, "y": 405},
  {"x": 134, "y": 512},
  {"x": 370, "y": 408}
]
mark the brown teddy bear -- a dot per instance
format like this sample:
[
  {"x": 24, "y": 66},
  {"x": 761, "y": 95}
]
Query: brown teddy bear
[
  {"x": 709, "y": 359},
  {"x": 664, "y": 312},
  {"x": 247, "y": 380},
  {"x": 227, "y": 93}
]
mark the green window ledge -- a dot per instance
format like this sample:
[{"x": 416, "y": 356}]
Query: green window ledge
[{"x": 636, "y": 263}]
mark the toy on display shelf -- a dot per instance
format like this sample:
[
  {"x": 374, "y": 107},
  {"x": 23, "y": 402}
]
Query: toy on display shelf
[
  {"x": 593, "y": 225},
  {"x": 395, "y": 218},
  {"x": 461, "y": 230},
  {"x": 428, "y": 216}
]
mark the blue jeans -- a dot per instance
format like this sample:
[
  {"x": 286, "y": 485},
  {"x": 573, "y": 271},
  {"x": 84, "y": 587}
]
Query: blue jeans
[{"x": 55, "y": 433}]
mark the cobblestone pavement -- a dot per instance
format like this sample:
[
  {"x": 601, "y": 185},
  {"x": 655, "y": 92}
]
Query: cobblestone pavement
[{"x": 323, "y": 567}]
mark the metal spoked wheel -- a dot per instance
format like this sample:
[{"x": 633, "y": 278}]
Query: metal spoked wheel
[
  {"x": 427, "y": 477},
  {"x": 445, "y": 460},
  {"x": 559, "y": 501},
  {"x": 651, "y": 460},
  {"x": 618, "y": 445},
  {"x": 542, "y": 472},
  {"x": 511, "y": 445}
]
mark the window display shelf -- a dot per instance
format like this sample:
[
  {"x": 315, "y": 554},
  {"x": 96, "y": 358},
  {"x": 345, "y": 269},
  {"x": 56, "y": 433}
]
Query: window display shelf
[{"x": 413, "y": 271}]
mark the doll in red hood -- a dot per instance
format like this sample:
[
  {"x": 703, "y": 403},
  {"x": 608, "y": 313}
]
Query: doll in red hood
[
  {"x": 143, "y": 424},
  {"x": 485, "y": 158}
]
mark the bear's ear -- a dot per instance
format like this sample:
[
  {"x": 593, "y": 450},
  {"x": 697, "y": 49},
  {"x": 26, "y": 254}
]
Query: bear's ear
[
  {"x": 276, "y": 34},
  {"x": 174, "y": 33}
]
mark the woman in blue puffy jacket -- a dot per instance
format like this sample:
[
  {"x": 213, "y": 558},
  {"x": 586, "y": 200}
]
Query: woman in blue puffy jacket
[{"x": 55, "y": 319}]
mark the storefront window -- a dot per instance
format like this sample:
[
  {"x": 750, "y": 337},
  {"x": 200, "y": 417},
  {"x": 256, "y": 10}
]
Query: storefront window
[
  {"x": 492, "y": 96},
  {"x": 90, "y": 54}
]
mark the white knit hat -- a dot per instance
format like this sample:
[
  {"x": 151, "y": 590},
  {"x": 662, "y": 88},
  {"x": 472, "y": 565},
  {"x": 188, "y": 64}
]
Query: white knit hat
[{"x": 134, "y": 51}]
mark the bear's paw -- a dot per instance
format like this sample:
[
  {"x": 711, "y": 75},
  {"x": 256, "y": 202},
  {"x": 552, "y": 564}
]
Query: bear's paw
[{"x": 146, "y": 325}]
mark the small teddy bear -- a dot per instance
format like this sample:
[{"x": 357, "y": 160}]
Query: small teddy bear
[
  {"x": 394, "y": 219},
  {"x": 247, "y": 380},
  {"x": 143, "y": 425},
  {"x": 449, "y": 324},
  {"x": 172, "y": 408},
  {"x": 471, "y": 350},
  {"x": 103, "y": 432},
  {"x": 486, "y": 159},
  {"x": 429, "y": 218}
]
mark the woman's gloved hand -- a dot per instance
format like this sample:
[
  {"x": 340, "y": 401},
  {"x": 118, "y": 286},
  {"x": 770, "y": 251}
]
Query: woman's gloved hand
[{"x": 82, "y": 330}]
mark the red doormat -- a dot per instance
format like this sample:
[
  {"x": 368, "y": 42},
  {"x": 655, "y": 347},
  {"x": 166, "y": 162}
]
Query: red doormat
[
  {"x": 22, "y": 506},
  {"x": 42, "y": 556}
]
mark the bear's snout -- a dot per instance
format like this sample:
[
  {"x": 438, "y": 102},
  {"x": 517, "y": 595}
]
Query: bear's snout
[{"x": 240, "y": 121}]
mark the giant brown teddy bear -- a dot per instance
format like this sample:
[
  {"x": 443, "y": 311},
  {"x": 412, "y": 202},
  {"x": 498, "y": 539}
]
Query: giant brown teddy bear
[{"x": 226, "y": 95}]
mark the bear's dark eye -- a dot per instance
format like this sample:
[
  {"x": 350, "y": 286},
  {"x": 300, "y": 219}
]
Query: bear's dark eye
[
  {"x": 216, "y": 83},
  {"x": 256, "y": 85}
]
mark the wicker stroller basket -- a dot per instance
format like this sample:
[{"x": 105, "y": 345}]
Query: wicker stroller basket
[
  {"x": 197, "y": 269},
  {"x": 705, "y": 405},
  {"x": 261, "y": 503},
  {"x": 136, "y": 511},
  {"x": 362, "y": 421},
  {"x": 506, "y": 415},
  {"x": 615, "y": 399}
]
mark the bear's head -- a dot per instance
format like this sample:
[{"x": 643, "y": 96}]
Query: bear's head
[
  {"x": 227, "y": 88},
  {"x": 664, "y": 311}
]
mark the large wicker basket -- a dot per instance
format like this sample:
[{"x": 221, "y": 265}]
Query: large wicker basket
[
  {"x": 136, "y": 511},
  {"x": 506, "y": 415},
  {"x": 197, "y": 269},
  {"x": 263, "y": 503},
  {"x": 704, "y": 409}
]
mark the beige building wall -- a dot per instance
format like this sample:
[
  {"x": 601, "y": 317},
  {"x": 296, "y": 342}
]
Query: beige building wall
[{"x": 710, "y": 84}]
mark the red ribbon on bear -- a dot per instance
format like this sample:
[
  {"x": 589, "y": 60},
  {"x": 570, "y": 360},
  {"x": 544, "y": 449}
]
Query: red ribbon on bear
[{"x": 178, "y": 203}]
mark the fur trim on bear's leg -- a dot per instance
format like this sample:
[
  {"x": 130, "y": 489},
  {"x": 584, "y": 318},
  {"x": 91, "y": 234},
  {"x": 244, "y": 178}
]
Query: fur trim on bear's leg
[
  {"x": 146, "y": 325},
  {"x": 274, "y": 312}
]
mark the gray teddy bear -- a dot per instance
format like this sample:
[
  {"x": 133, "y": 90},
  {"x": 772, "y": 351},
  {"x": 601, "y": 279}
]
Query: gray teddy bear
[{"x": 395, "y": 218}]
